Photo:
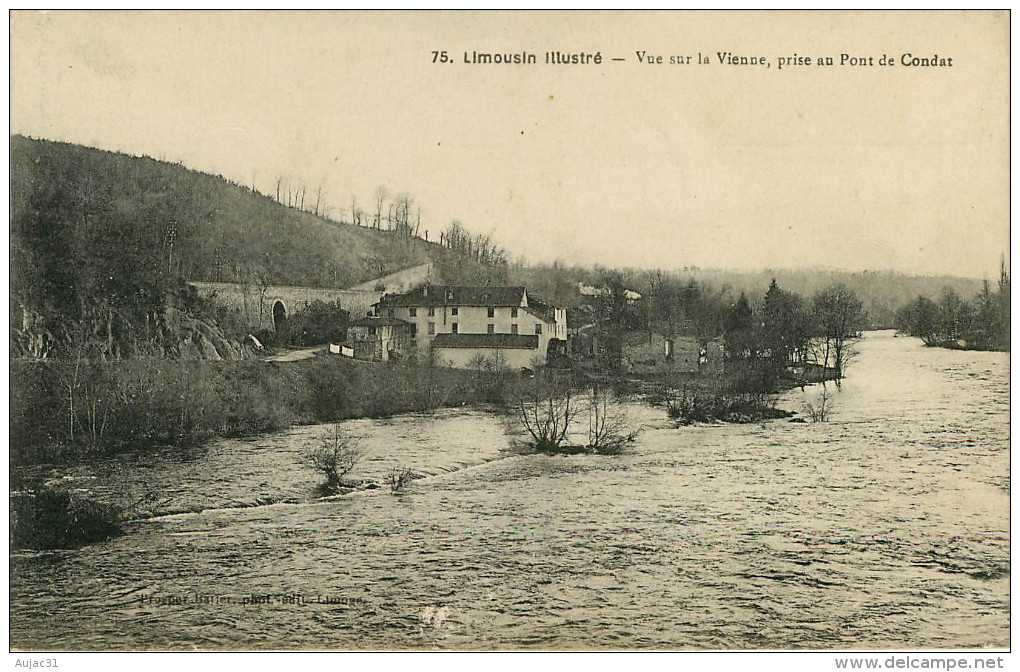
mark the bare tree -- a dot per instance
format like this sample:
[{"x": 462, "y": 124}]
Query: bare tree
[
  {"x": 543, "y": 411},
  {"x": 254, "y": 281},
  {"x": 247, "y": 288},
  {"x": 84, "y": 396},
  {"x": 335, "y": 456},
  {"x": 429, "y": 376},
  {"x": 377, "y": 263},
  {"x": 402, "y": 212},
  {"x": 607, "y": 425},
  {"x": 355, "y": 211},
  {"x": 455, "y": 236},
  {"x": 821, "y": 411},
  {"x": 217, "y": 269},
  {"x": 840, "y": 316},
  {"x": 380, "y": 198},
  {"x": 262, "y": 288}
]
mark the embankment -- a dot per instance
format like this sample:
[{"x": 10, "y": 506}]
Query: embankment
[{"x": 63, "y": 410}]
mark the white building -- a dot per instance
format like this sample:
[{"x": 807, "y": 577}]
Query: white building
[{"x": 480, "y": 321}]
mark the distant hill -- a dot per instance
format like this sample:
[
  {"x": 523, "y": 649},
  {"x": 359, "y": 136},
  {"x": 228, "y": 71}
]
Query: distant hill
[
  {"x": 882, "y": 292},
  {"x": 205, "y": 227}
]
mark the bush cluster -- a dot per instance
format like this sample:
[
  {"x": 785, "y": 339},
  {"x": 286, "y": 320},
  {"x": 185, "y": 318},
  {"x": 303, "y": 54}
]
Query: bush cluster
[
  {"x": 47, "y": 518},
  {"x": 690, "y": 404},
  {"x": 62, "y": 409},
  {"x": 335, "y": 457}
]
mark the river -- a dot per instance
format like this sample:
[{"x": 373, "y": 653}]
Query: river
[{"x": 885, "y": 527}]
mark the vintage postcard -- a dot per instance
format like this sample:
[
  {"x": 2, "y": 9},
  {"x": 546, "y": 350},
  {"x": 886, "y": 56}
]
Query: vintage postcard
[{"x": 511, "y": 331}]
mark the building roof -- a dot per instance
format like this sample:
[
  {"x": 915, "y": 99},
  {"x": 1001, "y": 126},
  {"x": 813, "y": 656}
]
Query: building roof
[
  {"x": 504, "y": 341},
  {"x": 591, "y": 290},
  {"x": 462, "y": 295},
  {"x": 540, "y": 308},
  {"x": 450, "y": 295},
  {"x": 373, "y": 321}
]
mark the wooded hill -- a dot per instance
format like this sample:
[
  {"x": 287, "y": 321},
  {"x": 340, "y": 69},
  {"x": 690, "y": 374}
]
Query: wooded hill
[
  {"x": 102, "y": 242},
  {"x": 200, "y": 226}
]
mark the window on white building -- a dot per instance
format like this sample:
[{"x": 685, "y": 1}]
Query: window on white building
[
  {"x": 538, "y": 327},
  {"x": 453, "y": 327},
  {"x": 413, "y": 312},
  {"x": 432, "y": 328},
  {"x": 491, "y": 329}
]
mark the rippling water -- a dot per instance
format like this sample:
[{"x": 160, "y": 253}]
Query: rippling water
[{"x": 887, "y": 526}]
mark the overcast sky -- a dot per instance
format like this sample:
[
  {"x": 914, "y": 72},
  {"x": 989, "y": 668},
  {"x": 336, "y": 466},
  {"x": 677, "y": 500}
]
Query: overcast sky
[{"x": 618, "y": 164}]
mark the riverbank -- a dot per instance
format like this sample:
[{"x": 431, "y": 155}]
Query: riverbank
[
  {"x": 161, "y": 413},
  {"x": 962, "y": 344},
  {"x": 64, "y": 411}
]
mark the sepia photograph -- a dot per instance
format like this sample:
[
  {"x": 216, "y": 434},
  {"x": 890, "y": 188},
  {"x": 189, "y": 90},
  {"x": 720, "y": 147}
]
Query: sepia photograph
[{"x": 510, "y": 331}]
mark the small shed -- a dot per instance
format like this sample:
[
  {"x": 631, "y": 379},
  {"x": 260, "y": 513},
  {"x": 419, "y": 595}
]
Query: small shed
[{"x": 377, "y": 338}]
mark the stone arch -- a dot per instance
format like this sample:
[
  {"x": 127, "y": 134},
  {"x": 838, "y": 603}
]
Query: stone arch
[{"x": 279, "y": 315}]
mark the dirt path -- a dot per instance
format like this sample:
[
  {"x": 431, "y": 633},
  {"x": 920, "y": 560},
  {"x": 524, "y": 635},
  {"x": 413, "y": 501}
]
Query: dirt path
[{"x": 295, "y": 355}]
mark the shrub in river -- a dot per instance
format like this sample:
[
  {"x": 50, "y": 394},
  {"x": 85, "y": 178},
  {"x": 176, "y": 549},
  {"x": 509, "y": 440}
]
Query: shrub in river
[
  {"x": 607, "y": 425},
  {"x": 542, "y": 411},
  {"x": 48, "y": 518},
  {"x": 400, "y": 478},
  {"x": 752, "y": 407},
  {"x": 689, "y": 404},
  {"x": 821, "y": 411},
  {"x": 336, "y": 456}
]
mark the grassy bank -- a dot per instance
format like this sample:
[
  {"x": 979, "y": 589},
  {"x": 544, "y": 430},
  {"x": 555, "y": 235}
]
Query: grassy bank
[{"x": 66, "y": 410}]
